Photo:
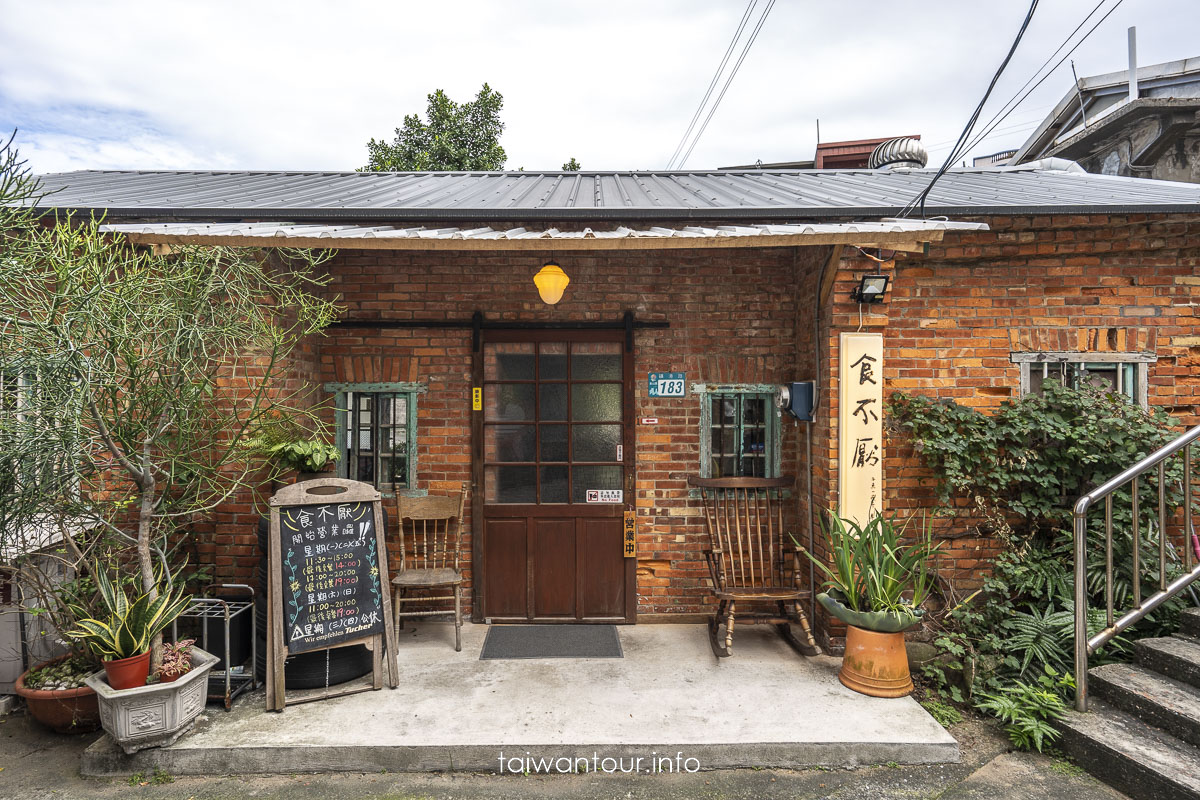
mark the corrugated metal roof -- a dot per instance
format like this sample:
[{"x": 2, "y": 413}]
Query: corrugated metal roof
[
  {"x": 758, "y": 195},
  {"x": 759, "y": 235}
]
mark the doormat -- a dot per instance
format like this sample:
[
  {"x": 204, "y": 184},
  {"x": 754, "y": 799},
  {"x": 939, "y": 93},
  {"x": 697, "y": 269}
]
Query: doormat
[{"x": 551, "y": 641}]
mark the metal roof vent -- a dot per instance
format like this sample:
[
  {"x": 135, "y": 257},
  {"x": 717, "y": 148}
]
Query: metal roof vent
[{"x": 902, "y": 152}]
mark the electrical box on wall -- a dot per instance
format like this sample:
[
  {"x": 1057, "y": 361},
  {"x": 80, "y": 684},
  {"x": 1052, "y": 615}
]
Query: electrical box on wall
[{"x": 797, "y": 400}]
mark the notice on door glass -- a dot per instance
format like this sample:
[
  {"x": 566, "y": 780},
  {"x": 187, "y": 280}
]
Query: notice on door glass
[{"x": 605, "y": 496}]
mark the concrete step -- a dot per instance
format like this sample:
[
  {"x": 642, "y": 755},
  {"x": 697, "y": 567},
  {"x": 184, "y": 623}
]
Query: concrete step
[
  {"x": 1131, "y": 756},
  {"x": 1151, "y": 697},
  {"x": 1176, "y": 657},
  {"x": 1189, "y": 622}
]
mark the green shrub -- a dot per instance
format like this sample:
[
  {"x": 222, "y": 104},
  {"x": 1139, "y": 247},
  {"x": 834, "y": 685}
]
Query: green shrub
[{"x": 1021, "y": 469}]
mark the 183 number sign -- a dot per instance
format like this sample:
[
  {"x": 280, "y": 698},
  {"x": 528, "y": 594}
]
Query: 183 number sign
[{"x": 666, "y": 384}]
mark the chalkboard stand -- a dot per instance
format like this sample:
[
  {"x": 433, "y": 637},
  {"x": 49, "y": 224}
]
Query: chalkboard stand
[{"x": 320, "y": 492}]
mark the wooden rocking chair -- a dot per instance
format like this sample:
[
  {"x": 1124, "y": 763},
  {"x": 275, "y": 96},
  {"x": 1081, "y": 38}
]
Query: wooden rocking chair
[
  {"x": 752, "y": 561},
  {"x": 429, "y": 556}
]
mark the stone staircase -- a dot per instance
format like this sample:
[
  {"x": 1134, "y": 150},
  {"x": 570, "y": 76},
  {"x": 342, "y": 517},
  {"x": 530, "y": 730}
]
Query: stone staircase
[{"x": 1141, "y": 733}]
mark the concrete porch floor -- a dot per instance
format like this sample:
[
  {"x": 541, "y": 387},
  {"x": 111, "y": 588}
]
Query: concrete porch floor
[{"x": 764, "y": 707}]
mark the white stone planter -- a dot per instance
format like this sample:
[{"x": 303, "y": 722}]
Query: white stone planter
[{"x": 157, "y": 714}]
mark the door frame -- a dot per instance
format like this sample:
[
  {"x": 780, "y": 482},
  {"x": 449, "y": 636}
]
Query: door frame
[{"x": 583, "y": 333}]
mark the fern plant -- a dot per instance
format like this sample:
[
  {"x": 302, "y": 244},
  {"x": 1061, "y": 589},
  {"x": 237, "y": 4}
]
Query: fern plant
[
  {"x": 1028, "y": 710},
  {"x": 1043, "y": 637}
]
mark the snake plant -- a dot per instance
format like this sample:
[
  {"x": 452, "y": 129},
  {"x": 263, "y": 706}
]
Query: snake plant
[{"x": 131, "y": 625}]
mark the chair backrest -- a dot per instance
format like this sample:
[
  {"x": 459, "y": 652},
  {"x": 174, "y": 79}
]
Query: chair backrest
[
  {"x": 429, "y": 530},
  {"x": 745, "y": 528}
]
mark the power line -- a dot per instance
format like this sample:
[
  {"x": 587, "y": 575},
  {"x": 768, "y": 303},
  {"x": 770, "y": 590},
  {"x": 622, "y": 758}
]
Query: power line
[
  {"x": 919, "y": 200},
  {"x": 1065, "y": 56},
  {"x": 708, "y": 93},
  {"x": 1005, "y": 109},
  {"x": 728, "y": 80}
]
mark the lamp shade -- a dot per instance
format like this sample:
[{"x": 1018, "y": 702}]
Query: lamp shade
[{"x": 551, "y": 282}]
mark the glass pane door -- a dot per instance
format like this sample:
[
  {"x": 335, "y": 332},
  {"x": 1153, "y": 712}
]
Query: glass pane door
[{"x": 552, "y": 421}]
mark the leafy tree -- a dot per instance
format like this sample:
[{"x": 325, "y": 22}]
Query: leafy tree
[
  {"x": 143, "y": 377},
  {"x": 457, "y": 136},
  {"x": 571, "y": 166}
]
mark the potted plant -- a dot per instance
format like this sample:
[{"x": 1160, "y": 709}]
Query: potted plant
[
  {"x": 876, "y": 585},
  {"x": 177, "y": 661},
  {"x": 54, "y": 590},
  {"x": 308, "y": 457},
  {"x": 56, "y": 694},
  {"x": 287, "y": 447},
  {"x": 138, "y": 713},
  {"x": 122, "y": 639}
]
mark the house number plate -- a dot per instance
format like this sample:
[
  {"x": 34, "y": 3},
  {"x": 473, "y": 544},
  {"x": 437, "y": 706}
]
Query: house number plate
[{"x": 666, "y": 384}]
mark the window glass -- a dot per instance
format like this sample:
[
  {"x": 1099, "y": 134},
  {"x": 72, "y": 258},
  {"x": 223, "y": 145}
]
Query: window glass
[
  {"x": 1121, "y": 377},
  {"x": 377, "y": 445},
  {"x": 741, "y": 435}
]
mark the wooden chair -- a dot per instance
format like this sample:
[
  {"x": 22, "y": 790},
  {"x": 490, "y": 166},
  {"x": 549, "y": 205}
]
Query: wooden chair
[
  {"x": 752, "y": 561},
  {"x": 428, "y": 529}
]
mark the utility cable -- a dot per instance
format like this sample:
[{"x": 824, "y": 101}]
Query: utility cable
[
  {"x": 712, "y": 84},
  {"x": 986, "y": 131},
  {"x": 728, "y": 81},
  {"x": 919, "y": 200},
  {"x": 1005, "y": 110}
]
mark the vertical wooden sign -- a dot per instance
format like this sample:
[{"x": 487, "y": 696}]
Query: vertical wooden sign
[
  {"x": 860, "y": 427},
  {"x": 328, "y": 580}
]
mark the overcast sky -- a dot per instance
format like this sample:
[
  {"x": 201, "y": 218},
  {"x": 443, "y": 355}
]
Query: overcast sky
[{"x": 303, "y": 85}]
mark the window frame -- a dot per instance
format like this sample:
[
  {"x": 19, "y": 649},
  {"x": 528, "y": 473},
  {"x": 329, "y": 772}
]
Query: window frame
[
  {"x": 18, "y": 385},
  {"x": 1141, "y": 362},
  {"x": 772, "y": 439},
  {"x": 411, "y": 390}
]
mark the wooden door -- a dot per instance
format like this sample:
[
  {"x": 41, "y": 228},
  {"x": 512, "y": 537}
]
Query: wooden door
[{"x": 554, "y": 456}]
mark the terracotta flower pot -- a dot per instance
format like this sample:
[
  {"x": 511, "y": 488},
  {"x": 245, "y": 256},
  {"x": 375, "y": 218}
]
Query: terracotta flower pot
[
  {"x": 64, "y": 710},
  {"x": 875, "y": 664},
  {"x": 128, "y": 673}
]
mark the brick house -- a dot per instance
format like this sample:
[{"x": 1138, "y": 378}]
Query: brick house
[{"x": 742, "y": 281}]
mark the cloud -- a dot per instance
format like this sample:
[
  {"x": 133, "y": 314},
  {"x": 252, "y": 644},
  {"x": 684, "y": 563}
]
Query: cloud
[{"x": 304, "y": 85}]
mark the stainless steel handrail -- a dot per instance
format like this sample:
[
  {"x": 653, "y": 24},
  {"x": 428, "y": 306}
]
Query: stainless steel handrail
[{"x": 1083, "y": 645}]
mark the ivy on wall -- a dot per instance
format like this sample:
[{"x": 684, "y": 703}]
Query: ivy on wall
[{"x": 1009, "y": 653}]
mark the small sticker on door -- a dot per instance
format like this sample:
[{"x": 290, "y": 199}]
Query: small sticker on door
[
  {"x": 477, "y": 399},
  {"x": 620, "y": 452},
  {"x": 605, "y": 496}
]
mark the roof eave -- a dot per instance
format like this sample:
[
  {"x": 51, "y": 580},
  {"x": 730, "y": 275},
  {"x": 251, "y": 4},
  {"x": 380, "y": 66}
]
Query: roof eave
[{"x": 608, "y": 215}]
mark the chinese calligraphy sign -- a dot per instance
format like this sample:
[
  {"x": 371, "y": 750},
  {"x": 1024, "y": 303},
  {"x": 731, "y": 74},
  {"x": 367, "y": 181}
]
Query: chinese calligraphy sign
[{"x": 860, "y": 427}]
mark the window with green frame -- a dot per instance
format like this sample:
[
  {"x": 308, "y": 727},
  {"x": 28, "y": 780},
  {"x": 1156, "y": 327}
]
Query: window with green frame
[
  {"x": 43, "y": 419},
  {"x": 377, "y": 433},
  {"x": 739, "y": 433}
]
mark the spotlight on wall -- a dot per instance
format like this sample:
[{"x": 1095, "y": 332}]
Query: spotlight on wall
[
  {"x": 551, "y": 282},
  {"x": 870, "y": 289}
]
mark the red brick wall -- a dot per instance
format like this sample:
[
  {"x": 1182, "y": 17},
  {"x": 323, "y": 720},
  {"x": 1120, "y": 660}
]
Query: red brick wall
[
  {"x": 952, "y": 319},
  {"x": 950, "y": 323},
  {"x": 733, "y": 318}
]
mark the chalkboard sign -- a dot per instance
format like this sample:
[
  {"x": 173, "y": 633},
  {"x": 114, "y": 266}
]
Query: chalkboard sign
[
  {"x": 327, "y": 580},
  {"x": 330, "y": 567}
]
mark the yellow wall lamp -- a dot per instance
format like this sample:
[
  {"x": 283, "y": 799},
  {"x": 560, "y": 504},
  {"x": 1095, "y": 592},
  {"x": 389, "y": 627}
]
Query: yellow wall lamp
[{"x": 551, "y": 282}]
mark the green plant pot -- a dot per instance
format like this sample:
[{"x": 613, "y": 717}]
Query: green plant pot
[{"x": 834, "y": 602}]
